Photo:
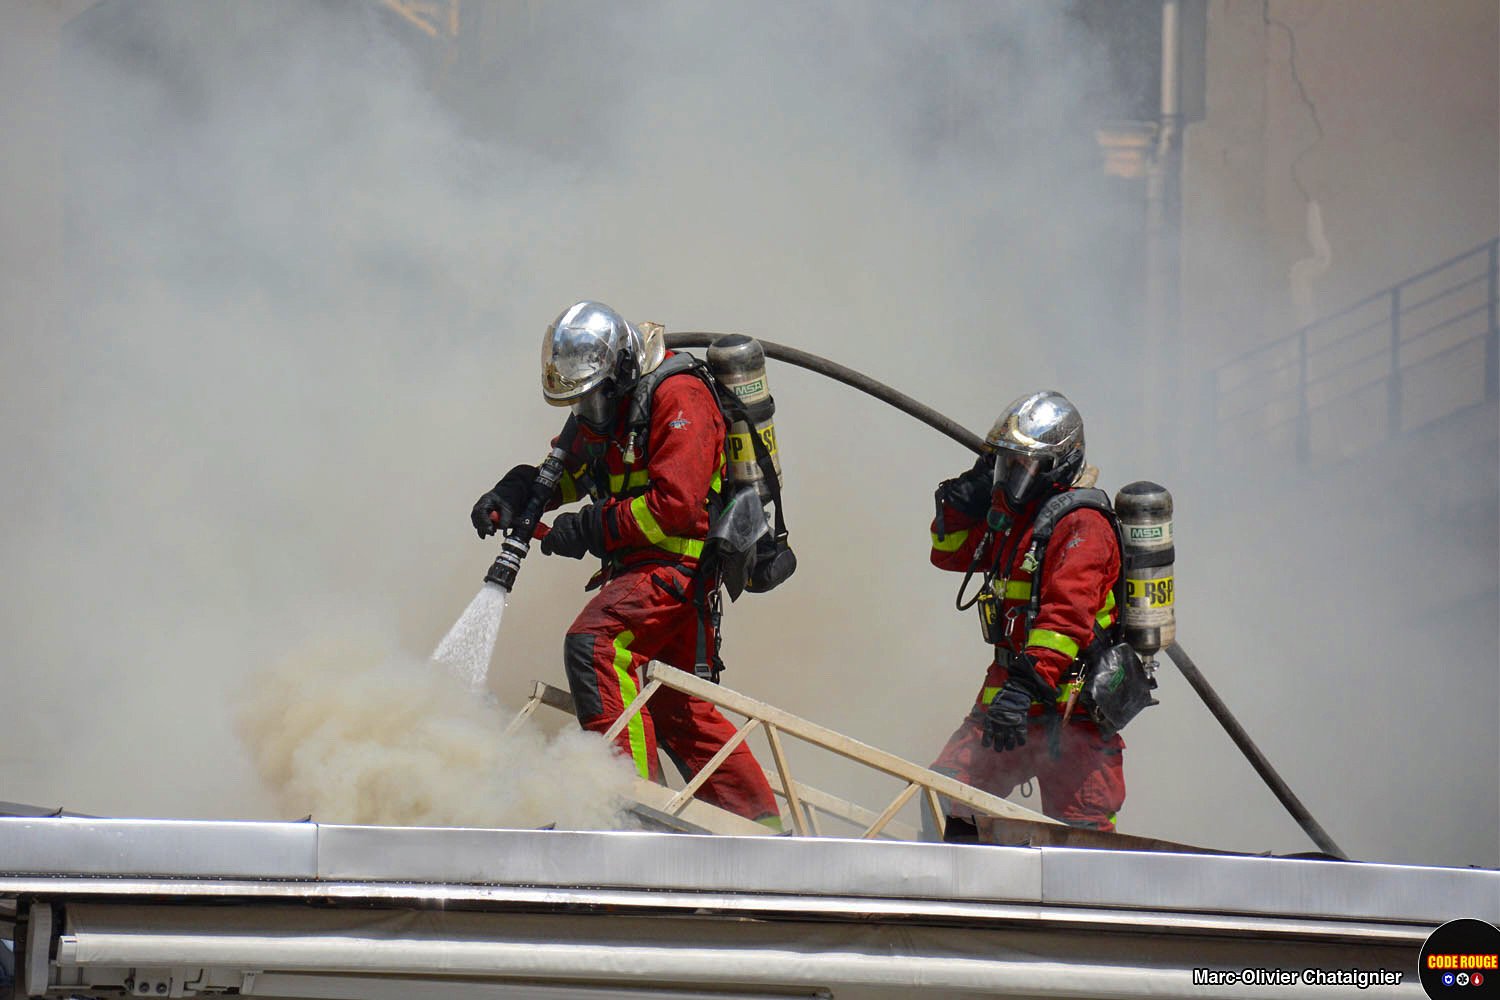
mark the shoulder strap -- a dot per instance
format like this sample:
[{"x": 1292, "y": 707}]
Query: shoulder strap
[
  {"x": 1054, "y": 510},
  {"x": 1060, "y": 506},
  {"x": 638, "y": 420},
  {"x": 734, "y": 410}
]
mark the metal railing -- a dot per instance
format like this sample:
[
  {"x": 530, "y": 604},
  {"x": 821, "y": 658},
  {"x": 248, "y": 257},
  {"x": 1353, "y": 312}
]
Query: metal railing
[{"x": 1400, "y": 359}]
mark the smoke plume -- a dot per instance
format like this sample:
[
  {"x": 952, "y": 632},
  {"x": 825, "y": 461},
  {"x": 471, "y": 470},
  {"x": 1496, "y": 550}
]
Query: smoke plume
[
  {"x": 275, "y": 279},
  {"x": 353, "y": 738}
]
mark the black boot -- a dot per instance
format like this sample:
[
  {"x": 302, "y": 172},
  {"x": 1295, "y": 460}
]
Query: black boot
[{"x": 957, "y": 830}]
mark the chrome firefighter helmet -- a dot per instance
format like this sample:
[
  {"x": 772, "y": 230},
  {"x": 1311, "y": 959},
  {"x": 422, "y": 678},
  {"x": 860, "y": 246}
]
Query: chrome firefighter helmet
[
  {"x": 591, "y": 357},
  {"x": 1038, "y": 444}
]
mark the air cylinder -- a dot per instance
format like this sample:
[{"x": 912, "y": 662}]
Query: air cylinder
[
  {"x": 739, "y": 364},
  {"x": 1145, "y": 512}
]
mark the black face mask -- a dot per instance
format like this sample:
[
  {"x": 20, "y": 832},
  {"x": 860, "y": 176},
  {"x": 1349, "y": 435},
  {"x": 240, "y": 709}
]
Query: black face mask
[
  {"x": 1019, "y": 478},
  {"x": 597, "y": 409}
]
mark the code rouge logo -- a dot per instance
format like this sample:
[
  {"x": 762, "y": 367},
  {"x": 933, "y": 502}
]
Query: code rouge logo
[{"x": 1461, "y": 959}]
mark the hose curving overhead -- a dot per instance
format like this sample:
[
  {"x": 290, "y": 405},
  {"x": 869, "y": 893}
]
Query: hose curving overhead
[{"x": 972, "y": 441}]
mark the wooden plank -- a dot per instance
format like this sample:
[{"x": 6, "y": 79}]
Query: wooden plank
[
  {"x": 778, "y": 719},
  {"x": 891, "y": 810},
  {"x": 636, "y": 704},
  {"x": 793, "y": 800},
  {"x": 525, "y": 712},
  {"x": 816, "y": 800},
  {"x": 697, "y": 812},
  {"x": 707, "y": 770}
]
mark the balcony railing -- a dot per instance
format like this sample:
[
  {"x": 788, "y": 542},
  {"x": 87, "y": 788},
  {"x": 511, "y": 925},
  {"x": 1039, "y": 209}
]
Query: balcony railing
[{"x": 1400, "y": 359}]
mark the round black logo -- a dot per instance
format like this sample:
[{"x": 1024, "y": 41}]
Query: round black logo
[{"x": 1461, "y": 959}]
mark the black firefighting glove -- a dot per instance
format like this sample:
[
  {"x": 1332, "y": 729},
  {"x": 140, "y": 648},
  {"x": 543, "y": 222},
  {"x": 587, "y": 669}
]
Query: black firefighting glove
[
  {"x": 576, "y": 535},
  {"x": 1005, "y": 720},
  {"x": 500, "y": 506},
  {"x": 969, "y": 494}
]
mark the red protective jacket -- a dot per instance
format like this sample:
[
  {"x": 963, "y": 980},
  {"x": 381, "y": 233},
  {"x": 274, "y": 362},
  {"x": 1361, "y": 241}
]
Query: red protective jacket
[
  {"x": 656, "y": 505},
  {"x": 1080, "y": 567}
]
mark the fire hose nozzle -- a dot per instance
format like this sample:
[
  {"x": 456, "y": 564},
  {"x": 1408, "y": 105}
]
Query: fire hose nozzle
[
  {"x": 507, "y": 564},
  {"x": 517, "y": 540}
]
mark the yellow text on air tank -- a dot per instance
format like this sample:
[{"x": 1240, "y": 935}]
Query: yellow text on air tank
[
  {"x": 1154, "y": 593},
  {"x": 741, "y": 450}
]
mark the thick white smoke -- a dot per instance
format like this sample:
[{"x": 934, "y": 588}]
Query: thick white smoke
[
  {"x": 346, "y": 732},
  {"x": 306, "y": 259}
]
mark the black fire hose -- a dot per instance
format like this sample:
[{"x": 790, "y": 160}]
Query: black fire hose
[
  {"x": 932, "y": 418},
  {"x": 1252, "y": 752},
  {"x": 973, "y": 442}
]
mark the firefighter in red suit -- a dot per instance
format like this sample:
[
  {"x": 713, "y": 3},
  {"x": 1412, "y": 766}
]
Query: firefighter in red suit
[
  {"x": 651, "y": 489},
  {"x": 1016, "y": 730}
]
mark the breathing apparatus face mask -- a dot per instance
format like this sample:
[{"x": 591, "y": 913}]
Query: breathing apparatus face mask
[
  {"x": 596, "y": 410},
  {"x": 1019, "y": 478}
]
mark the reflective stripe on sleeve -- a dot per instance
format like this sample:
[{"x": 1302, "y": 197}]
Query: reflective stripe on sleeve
[
  {"x": 950, "y": 542},
  {"x": 1048, "y": 639},
  {"x": 690, "y": 547},
  {"x": 619, "y": 484},
  {"x": 1103, "y": 617}
]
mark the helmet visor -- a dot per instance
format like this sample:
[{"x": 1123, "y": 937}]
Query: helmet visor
[
  {"x": 597, "y": 409},
  {"x": 1018, "y": 476}
]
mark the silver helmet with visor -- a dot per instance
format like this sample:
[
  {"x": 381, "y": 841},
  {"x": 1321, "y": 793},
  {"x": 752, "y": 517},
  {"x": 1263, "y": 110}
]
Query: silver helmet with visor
[
  {"x": 1038, "y": 444},
  {"x": 591, "y": 357}
]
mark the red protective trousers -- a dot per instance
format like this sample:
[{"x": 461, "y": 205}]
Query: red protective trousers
[
  {"x": 643, "y": 613},
  {"x": 1083, "y": 784}
]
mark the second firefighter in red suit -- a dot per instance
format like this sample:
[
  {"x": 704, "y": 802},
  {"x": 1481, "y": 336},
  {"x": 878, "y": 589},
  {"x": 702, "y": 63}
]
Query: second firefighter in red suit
[
  {"x": 651, "y": 492},
  {"x": 1014, "y": 732}
]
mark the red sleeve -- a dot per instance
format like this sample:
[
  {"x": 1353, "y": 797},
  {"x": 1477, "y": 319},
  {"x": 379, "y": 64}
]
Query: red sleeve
[
  {"x": 1078, "y": 575},
  {"x": 686, "y": 442},
  {"x": 961, "y": 535}
]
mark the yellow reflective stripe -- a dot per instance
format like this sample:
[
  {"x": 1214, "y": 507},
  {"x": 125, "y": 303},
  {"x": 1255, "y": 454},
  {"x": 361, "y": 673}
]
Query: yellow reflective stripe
[
  {"x": 716, "y": 484},
  {"x": 772, "y": 823},
  {"x": 568, "y": 487},
  {"x": 618, "y": 484},
  {"x": 1102, "y": 618},
  {"x": 951, "y": 542},
  {"x": 988, "y": 695},
  {"x": 647, "y": 521},
  {"x": 1048, "y": 639},
  {"x": 1065, "y": 691},
  {"x": 1017, "y": 590},
  {"x": 690, "y": 547},
  {"x": 635, "y": 727}
]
